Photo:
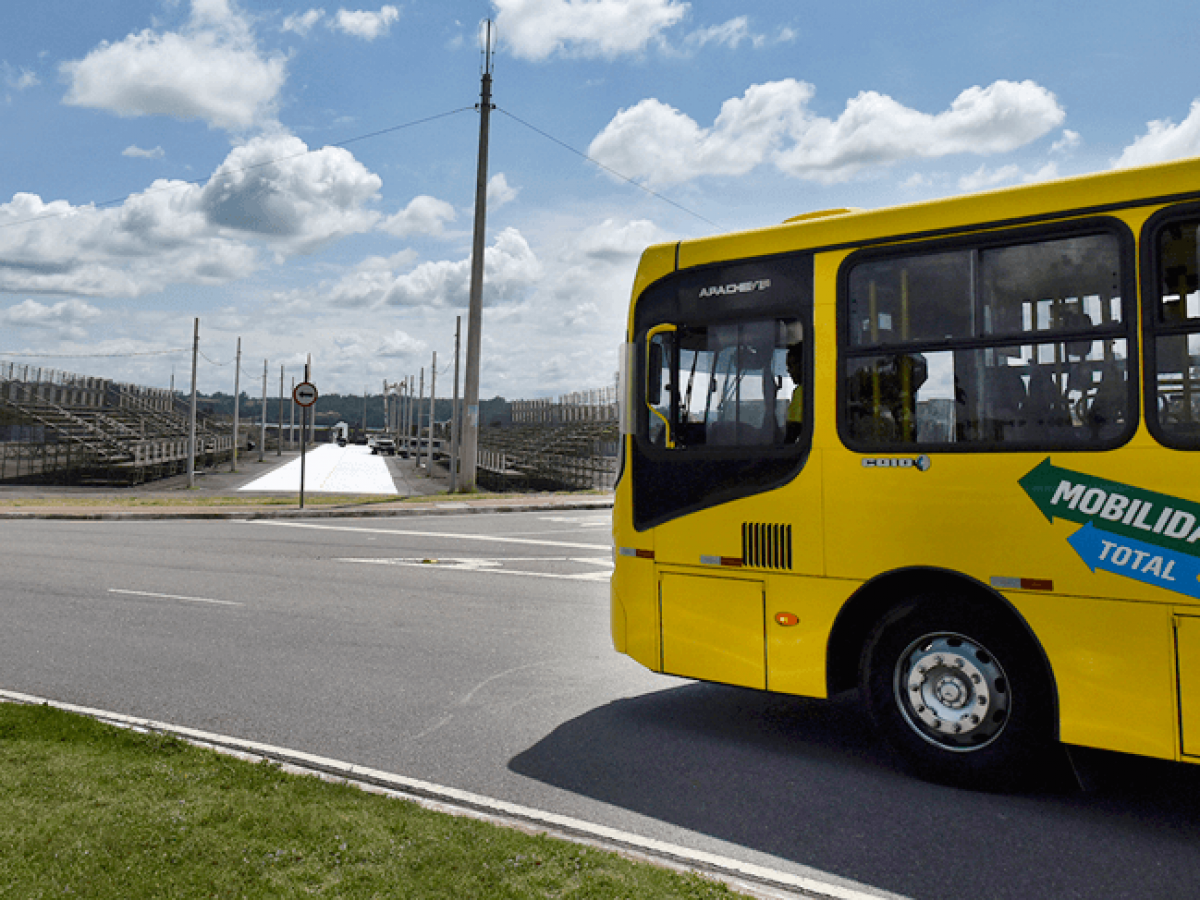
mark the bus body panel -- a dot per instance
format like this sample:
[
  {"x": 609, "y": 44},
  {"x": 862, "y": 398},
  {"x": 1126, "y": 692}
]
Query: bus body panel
[
  {"x": 800, "y": 615},
  {"x": 713, "y": 628},
  {"x": 634, "y": 587},
  {"x": 971, "y": 513},
  {"x": 1114, "y": 669},
  {"x": 1187, "y": 631},
  {"x": 716, "y": 536}
]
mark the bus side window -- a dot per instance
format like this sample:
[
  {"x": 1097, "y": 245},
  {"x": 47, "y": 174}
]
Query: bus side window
[
  {"x": 1175, "y": 342},
  {"x": 1034, "y": 354}
]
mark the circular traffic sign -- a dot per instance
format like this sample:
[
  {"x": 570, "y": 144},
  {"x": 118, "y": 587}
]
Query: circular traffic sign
[{"x": 305, "y": 394}]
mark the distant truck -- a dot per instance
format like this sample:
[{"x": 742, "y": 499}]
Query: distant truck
[{"x": 383, "y": 446}]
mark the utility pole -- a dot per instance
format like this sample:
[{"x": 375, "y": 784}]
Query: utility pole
[
  {"x": 455, "y": 425},
  {"x": 387, "y": 413},
  {"x": 432, "y": 393},
  {"x": 312, "y": 410},
  {"x": 470, "y": 442},
  {"x": 191, "y": 465},
  {"x": 417, "y": 430},
  {"x": 303, "y": 437},
  {"x": 262, "y": 432},
  {"x": 279, "y": 449},
  {"x": 408, "y": 410},
  {"x": 237, "y": 389}
]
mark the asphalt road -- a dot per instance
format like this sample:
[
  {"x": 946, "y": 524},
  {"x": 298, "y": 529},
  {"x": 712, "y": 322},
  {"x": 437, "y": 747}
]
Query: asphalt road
[{"x": 473, "y": 651}]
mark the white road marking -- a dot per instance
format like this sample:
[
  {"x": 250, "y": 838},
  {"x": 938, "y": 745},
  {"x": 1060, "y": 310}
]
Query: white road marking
[
  {"x": 429, "y": 534},
  {"x": 447, "y": 799},
  {"x": 578, "y": 523},
  {"x": 173, "y": 597},
  {"x": 490, "y": 566}
]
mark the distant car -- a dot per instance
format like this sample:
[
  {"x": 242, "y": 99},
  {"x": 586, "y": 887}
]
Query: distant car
[{"x": 384, "y": 446}]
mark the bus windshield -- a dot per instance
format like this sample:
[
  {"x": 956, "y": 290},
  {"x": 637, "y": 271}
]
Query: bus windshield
[{"x": 723, "y": 385}]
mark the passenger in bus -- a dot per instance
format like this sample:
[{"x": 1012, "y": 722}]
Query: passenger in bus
[{"x": 795, "y": 413}]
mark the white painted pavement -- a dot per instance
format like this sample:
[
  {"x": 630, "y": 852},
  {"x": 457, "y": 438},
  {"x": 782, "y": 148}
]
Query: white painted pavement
[{"x": 330, "y": 469}]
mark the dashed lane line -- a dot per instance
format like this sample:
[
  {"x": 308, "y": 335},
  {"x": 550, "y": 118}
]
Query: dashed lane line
[{"x": 155, "y": 596}]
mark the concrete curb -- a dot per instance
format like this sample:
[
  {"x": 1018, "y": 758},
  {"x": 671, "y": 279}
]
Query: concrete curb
[{"x": 430, "y": 508}]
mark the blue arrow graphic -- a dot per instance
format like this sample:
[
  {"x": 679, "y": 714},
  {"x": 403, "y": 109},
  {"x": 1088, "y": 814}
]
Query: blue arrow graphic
[{"x": 1138, "y": 560}]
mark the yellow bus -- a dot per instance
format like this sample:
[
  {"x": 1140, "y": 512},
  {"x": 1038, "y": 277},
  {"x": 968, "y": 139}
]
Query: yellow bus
[{"x": 944, "y": 453}]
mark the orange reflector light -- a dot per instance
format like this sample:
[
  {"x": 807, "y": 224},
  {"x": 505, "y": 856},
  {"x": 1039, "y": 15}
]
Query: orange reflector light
[{"x": 787, "y": 619}]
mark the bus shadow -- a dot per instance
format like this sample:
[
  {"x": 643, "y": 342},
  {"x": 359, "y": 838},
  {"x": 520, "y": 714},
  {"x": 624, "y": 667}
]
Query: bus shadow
[{"x": 808, "y": 781}]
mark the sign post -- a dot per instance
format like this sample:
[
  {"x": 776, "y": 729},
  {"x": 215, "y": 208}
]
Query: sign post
[{"x": 305, "y": 395}]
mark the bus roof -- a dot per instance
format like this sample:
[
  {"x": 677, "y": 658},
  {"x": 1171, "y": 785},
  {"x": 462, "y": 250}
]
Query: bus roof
[{"x": 1074, "y": 197}]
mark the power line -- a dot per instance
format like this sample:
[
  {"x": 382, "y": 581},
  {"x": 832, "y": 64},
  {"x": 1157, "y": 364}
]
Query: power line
[{"x": 611, "y": 171}]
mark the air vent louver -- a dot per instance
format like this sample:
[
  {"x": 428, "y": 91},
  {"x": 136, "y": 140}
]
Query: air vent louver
[{"x": 767, "y": 545}]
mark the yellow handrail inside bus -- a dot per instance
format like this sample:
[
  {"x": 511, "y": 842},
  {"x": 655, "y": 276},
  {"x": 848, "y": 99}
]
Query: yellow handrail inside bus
[{"x": 650, "y": 336}]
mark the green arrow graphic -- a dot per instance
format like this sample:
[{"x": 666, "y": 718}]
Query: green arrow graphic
[{"x": 1117, "y": 508}]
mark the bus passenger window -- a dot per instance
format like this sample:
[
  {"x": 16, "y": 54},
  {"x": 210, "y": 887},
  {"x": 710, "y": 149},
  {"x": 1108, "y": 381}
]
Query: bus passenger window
[
  {"x": 1031, "y": 349},
  {"x": 1175, "y": 344}
]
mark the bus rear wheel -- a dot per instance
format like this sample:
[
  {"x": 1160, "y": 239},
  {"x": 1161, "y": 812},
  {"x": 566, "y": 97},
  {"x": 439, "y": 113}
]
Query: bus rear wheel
[{"x": 959, "y": 693}]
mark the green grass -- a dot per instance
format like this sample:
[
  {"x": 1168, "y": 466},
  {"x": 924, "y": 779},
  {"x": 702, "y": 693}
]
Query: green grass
[
  {"x": 217, "y": 501},
  {"x": 90, "y": 810}
]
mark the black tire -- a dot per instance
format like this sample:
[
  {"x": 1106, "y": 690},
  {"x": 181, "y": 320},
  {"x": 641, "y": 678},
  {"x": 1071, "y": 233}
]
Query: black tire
[{"x": 960, "y": 693}]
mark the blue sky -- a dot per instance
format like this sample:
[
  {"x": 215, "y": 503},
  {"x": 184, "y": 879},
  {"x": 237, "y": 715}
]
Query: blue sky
[{"x": 302, "y": 176}]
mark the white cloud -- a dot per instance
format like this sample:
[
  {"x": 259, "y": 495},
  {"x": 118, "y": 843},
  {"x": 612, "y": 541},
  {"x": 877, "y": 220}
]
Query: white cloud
[
  {"x": 510, "y": 269},
  {"x": 302, "y": 23},
  {"x": 985, "y": 178},
  {"x": 1069, "y": 141},
  {"x": 613, "y": 241},
  {"x": 138, "y": 153},
  {"x": 275, "y": 188},
  {"x": 732, "y": 34},
  {"x": 156, "y": 238},
  {"x": 729, "y": 34},
  {"x": 538, "y": 29},
  {"x": 1164, "y": 141},
  {"x": 424, "y": 215},
  {"x": 499, "y": 192},
  {"x": 659, "y": 143},
  {"x": 65, "y": 318},
  {"x": 210, "y": 70},
  {"x": 20, "y": 80},
  {"x": 269, "y": 193},
  {"x": 773, "y": 123},
  {"x": 365, "y": 24}
]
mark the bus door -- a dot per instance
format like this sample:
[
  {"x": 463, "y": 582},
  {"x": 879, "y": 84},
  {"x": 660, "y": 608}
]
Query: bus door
[{"x": 725, "y": 393}]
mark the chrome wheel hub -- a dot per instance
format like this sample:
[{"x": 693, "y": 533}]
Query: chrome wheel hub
[{"x": 952, "y": 692}]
